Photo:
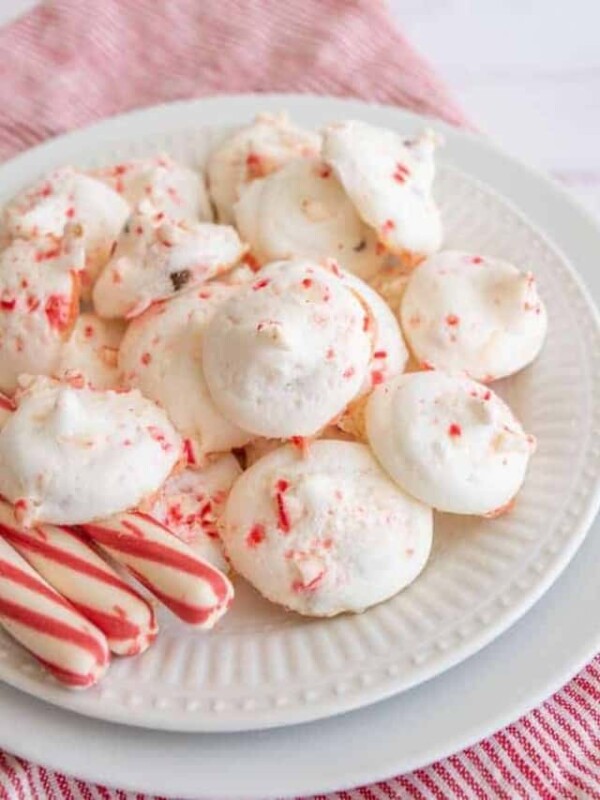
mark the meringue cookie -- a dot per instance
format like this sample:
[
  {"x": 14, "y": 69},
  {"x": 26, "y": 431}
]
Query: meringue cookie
[
  {"x": 39, "y": 302},
  {"x": 67, "y": 196},
  {"x": 172, "y": 188},
  {"x": 473, "y": 314},
  {"x": 254, "y": 152},
  {"x": 327, "y": 533},
  {"x": 389, "y": 180},
  {"x": 449, "y": 441},
  {"x": 70, "y": 456},
  {"x": 191, "y": 503},
  {"x": 92, "y": 352},
  {"x": 161, "y": 354},
  {"x": 286, "y": 353},
  {"x": 390, "y": 354},
  {"x": 301, "y": 211},
  {"x": 156, "y": 257}
]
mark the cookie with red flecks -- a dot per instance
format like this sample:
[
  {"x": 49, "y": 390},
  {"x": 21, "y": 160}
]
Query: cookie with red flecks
[
  {"x": 302, "y": 211},
  {"x": 472, "y": 314},
  {"x": 71, "y": 455},
  {"x": 190, "y": 505},
  {"x": 253, "y": 152},
  {"x": 156, "y": 257},
  {"x": 161, "y": 354},
  {"x": 285, "y": 354},
  {"x": 39, "y": 303},
  {"x": 92, "y": 351},
  {"x": 67, "y": 196},
  {"x": 325, "y": 533},
  {"x": 449, "y": 441},
  {"x": 389, "y": 179},
  {"x": 171, "y": 187}
]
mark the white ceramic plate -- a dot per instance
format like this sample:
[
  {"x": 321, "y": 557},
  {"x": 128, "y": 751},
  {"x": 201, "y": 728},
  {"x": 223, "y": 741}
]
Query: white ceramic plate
[{"x": 264, "y": 667}]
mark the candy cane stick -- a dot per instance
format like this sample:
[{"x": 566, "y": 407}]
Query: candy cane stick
[
  {"x": 80, "y": 575},
  {"x": 193, "y": 589},
  {"x": 34, "y": 614}
]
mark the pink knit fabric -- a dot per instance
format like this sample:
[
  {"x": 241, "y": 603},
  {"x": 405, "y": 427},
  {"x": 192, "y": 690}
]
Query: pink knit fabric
[{"x": 71, "y": 62}]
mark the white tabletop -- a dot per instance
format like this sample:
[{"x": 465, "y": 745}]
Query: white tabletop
[{"x": 527, "y": 74}]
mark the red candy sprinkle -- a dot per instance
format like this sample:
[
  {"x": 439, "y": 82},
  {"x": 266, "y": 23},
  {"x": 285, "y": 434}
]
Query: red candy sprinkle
[
  {"x": 487, "y": 395},
  {"x": 452, "y": 320},
  {"x": 159, "y": 437},
  {"x": 70, "y": 212},
  {"x": 251, "y": 262},
  {"x": 8, "y": 304},
  {"x": 88, "y": 331},
  {"x": 380, "y": 354},
  {"x": 477, "y": 260},
  {"x": 307, "y": 283},
  {"x": 348, "y": 373},
  {"x": 401, "y": 173},
  {"x": 454, "y": 430},
  {"x": 58, "y": 311},
  {"x": 376, "y": 377},
  {"x": 146, "y": 359},
  {"x": 324, "y": 171},
  {"x": 255, "y": 536},
  {"x": 260, "y": 284},
  {"x": 283, "y": 522},
  {"x": 188, "y": 450}
]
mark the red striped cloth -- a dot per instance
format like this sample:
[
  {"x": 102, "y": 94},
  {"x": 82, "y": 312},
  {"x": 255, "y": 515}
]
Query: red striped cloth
[{"x": 72, "y": 62}]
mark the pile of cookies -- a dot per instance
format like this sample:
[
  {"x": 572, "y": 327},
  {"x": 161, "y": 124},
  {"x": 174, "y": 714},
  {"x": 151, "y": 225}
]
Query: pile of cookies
[{"x": 286, "y": 393}]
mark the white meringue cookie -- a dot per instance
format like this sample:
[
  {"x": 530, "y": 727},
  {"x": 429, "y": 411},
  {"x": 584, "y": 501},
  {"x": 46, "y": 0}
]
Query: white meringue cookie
[
  {"x": 171, "y": 187},
  {"x": 191, "y": 503},
  {"x": 156, "y": 257},
  {"x": 70, "y": 197},
  {"x": 389, "y": 180},
  {"x": 161, "y": 354},
  {"x": 287, "y": 353},
  {"x": 448, "y": 441},
  {"x": 325, "y": 533},
  {"x": 253, "y": 152},
  {"x": 39, "y": 303},
  {"x": 472, "y": 314},
  {"x": 70, "y": 456},
  {"x": 301, "y": 211},
  {"x": 390, "y": 354},
  {"x": 92, "y": 352}
]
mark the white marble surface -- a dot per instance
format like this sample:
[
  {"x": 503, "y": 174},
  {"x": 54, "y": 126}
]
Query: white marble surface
[{"x": 526, "y": 71}]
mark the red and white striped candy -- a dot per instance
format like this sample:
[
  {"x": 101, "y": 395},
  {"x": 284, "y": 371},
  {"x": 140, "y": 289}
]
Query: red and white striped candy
[
  {"x": 34, "y": 614},
  {"x": 79, "y": 574},
  {"x": 190, "y": 587}
]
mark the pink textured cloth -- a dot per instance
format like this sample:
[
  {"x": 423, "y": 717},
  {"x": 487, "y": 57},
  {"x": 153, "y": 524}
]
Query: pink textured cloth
[{"x": 69, "y": 63}]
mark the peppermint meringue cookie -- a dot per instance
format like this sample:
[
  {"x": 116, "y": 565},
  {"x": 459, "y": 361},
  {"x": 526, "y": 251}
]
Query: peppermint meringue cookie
[
  {"x": 161, "y": 354},
  {"x": 67, "y": 196},
  {"x": 390, "y": 353},
  {"x": 449, "y": 441},
  {"x": 171, "y": 187},
  {"x": 156, "y": 257},
  {"x": 327, "y": 533},
  {"x": 191, "y": 504},
  {"x": 92, "y": 352},
  {"x": 301, "y": 211},
  {"x": 472, "y": 314},
  {"x": 39, "y": 303},
  {"x": 253, "y": 152},
  {"x": 286, "y": 353},
  {"x": 73, "y": 455},
  {"x": 389, "y": 179}
]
